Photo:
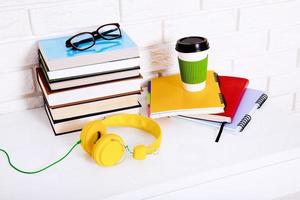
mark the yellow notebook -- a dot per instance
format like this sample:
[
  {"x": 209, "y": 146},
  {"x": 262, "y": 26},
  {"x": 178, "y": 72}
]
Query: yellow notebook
[{"x": 169, "y": 98}]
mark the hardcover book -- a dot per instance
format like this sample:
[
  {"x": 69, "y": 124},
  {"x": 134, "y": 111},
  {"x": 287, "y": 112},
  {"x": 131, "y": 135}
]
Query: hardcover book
[
  {"x": 99, "y": 69},
  {"x": 76, "y": 123},
  {"x": 57, "y": 56},
  {"x": 81, "y": 94},
  {"x": 88, "y": 108},
  {"x": 233, "y": 89}
]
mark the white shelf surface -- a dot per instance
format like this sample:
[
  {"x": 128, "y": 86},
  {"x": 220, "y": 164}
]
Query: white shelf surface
[{"x": 260, "y": 163}]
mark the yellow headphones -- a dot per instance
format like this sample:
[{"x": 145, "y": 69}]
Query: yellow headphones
[{"x": 108, "y": 149}]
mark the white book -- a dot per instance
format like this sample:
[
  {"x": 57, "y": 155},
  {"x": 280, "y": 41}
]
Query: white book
[
  {"x": 88, "y": 108},
  {"x": 76, "y": 124},
  {"x": 60, "y": 98},
  {"x": 58, "y": 85},
  {"x": 87, "y": 70}
]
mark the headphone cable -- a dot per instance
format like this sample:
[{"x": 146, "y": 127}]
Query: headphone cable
[{"x": 44, "y": 168}]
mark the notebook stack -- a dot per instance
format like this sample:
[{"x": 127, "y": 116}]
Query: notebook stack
[
  {"x": 80, "y": 86},
  {"x": 241, "y": 103},
  {"x": 225, "y": 102}
]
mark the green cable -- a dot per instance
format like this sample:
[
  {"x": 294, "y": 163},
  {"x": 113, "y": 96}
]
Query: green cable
[{"x": 40, "y": 170}]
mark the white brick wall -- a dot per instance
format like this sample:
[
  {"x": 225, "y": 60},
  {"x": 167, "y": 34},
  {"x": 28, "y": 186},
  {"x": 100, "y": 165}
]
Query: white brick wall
[
  {"x": 136, "y": 10},
  {"x": 17, "y": 54},
  {"x": 15, "y": 84},
  {"x": 14, "y": 23},
  {"x": 204, "y": 23},
  {"x": 285, "y": 37},
  {"x": 218, "y": 4},
  {"x": 257, "y": 39},
  {"x": 63, "y": 18},
  {"x": 153, "y": 30},
  {"x": 266, "y": 64},
  {"x": 271, "y": 15},
  {"x": 297, "y": 101},
  {"x": 285, "y": 83}
]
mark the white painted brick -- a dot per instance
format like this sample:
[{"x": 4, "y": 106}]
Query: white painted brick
[
  {"x": 258, "y": 83},
  {"x": 219, "y": 65},
  {"x": 216, "y": 4},
  {"x": 156, "y": 58},
  {"x": 145, "y": 34},
  {"x": 14, "y": 23},
  {"x": 133, "y": 10},
  {"x": 286, "y": 37},
  {"x": 282, "y": 103},
  {"x": 16, "y": 84},
  {"x": 271, "y": 15},
  {"x": 164, "y": 57},
  {"x": 35, "y": 81},
  {"x": 297, "y": 102},
  {"x": 32, "y": 3},
  {"x": 9, "y": 3},
  {"x": 285, "y": 83},
  {"x": 298, "y": 58},
  {"x": 21, "y": 104},
  {"x": 61, "y": 18},
  {"x": 204, "y": 24},
  {"x": 266, "y": 64},
  {"x": 15, "y": 55},
  {"x": 238, "y": 44}
]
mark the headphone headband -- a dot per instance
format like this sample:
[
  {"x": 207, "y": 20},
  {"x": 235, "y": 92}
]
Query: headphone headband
[{"x": 140, "y": 122}]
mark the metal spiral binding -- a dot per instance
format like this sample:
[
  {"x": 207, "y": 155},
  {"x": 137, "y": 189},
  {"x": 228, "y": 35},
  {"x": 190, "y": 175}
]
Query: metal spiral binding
[
  {"x": 261, "y": 100},
  {"x": 243, "y": 123}
]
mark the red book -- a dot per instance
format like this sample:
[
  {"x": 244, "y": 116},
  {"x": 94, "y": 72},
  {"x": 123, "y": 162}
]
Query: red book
[{"x": 233, "y": 89}]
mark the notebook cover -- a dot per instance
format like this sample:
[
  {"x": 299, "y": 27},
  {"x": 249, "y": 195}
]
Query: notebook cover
[
  {"x": 168, "y": 97},
  {"x": 233, "y": 89},
  {"x": 251, "y": 101}
]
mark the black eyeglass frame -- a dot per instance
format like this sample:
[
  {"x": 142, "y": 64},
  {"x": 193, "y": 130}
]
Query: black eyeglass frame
[{"x": 95, "y": 36}]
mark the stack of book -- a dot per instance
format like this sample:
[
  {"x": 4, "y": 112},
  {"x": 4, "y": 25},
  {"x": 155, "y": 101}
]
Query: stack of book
[
  {"x": 79, "y": 86},
  {"x": 225, "y": 102}
]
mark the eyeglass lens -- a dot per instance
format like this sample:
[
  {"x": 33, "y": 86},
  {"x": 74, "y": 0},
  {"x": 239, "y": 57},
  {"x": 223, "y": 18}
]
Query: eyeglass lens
[
  {"x": 83, "y": 41},
  {"x": 110, "y": 32}
]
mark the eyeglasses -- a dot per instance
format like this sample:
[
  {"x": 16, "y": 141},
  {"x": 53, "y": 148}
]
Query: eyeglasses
[{"x": 86, "y": 40}]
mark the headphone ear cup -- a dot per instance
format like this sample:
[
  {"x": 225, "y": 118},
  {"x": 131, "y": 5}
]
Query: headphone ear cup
[
  {"x": 90, "y": 134},
  {"x": 109, "y": 150}
]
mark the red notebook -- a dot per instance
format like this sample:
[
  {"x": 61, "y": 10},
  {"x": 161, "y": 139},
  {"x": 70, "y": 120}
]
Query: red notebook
[{"x": 233, "y": 89}]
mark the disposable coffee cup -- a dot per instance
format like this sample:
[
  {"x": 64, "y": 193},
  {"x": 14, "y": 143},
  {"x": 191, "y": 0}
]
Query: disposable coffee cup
[{"x": 193, "y": 57}]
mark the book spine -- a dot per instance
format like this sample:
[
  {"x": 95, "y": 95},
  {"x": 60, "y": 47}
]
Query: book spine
[
  {"x": 221, "y": 96},
  {"x": 261, "y": 100},
  {"x": 222, "y": 99},
  {"x": 244, "y": 122},
  {"x": 216, "y": 77}
]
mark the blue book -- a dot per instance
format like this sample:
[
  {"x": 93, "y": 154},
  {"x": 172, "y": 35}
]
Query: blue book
[
  {"x": 57, "y": 56},
  {"x": 251, "y": 101}
]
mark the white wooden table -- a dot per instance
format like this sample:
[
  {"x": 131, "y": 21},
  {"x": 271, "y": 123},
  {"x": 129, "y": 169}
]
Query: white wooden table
[{"x": 261, "y": 163}]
